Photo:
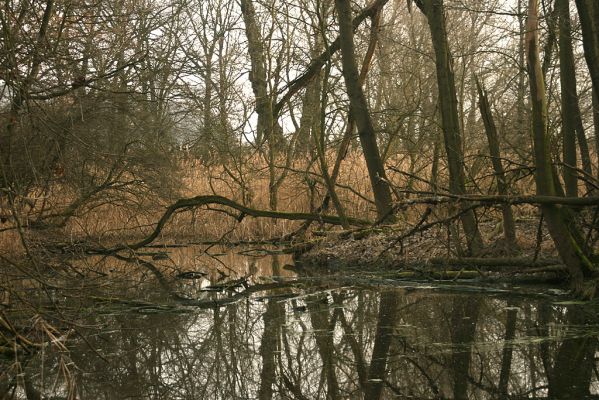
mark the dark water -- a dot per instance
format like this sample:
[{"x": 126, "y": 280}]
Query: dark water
[{"x": 255, "y": 331}]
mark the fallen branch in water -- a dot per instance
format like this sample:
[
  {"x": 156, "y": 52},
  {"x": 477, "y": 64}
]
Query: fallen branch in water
[{"x": 198, "y": 201}]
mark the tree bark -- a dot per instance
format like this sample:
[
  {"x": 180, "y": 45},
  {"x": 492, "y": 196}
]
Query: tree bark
[
  {"x": 359, "y": 109},
  {"x": 351, "y": 123},
  {"x": 434, "y": 11}
]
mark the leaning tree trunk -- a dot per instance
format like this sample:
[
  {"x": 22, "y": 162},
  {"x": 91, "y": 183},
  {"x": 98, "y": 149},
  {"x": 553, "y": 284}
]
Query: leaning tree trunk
[
  {"x": 572, "y": 126},
  {"x": 562, "y": 229},
  {"x": 359, "y": 109},
  {"x": 448, "y": 104},
  {"x": 318, "y": 133},
  {"x": 588, "y": 11}
]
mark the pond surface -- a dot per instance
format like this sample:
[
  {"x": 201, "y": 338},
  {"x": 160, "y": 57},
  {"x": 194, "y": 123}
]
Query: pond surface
[{"x": 199, "y": 326}]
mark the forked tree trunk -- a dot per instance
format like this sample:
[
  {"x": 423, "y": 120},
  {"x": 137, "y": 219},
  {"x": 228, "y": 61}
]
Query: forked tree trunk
[
  {"x": 359, "y": 109},
  {"x": 434, "y": 11},
  {"x": 562, "y": 229},
  {"x": 509, "y": 227}
]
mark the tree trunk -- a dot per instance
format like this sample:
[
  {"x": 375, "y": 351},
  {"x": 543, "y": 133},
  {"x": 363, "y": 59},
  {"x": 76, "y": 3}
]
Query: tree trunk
[
  {"x": 433, "y": 9},
  {"x": 359, "y": 109},
  {"x": 522, "y": 126},
  {"x": 596, "y": 125},
  {"x": 565, "y": 235},
  {"x": 572, "y": 126},
  {"x": 569, "y": 99},
  {"x": 266, "y": 130},
  {"x": 320, "y": 146},
  {"x": 588, "y": 11},
  {"x": 258, "y": 74},
  {"x": 509, "y": 227}
]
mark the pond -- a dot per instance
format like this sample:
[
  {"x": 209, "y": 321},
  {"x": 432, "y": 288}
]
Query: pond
[{"x": 194, "y": 325}]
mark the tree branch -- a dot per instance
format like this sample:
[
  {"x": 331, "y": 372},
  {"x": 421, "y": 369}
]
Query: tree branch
[
  {"x": 316, "y": 64},
  {"x": 199, "y": 201}
]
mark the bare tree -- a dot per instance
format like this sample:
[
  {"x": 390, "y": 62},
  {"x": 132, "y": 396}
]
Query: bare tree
[{"x": 359, "y": 110}]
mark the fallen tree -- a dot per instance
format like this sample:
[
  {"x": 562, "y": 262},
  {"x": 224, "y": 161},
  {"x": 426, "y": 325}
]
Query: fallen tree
[
  {"x": 199, "y": 201},
  {"x": 500, "y": 200},
  {"x": 473, "y": 200}
]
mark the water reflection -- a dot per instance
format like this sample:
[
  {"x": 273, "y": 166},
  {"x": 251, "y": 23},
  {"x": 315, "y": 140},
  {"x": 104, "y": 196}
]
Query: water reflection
[{"x": 313, "y": 340}]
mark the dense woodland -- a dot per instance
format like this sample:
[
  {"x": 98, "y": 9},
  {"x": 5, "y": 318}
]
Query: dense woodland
[
  {"x": 300, "y": 113},
  {"x": 451, "y": 139}
]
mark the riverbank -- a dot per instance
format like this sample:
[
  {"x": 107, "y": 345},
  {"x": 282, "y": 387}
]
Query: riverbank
[{"x": 435, "y": 255}]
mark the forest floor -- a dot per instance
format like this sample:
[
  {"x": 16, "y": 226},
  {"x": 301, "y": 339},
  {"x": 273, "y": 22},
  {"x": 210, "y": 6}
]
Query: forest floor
[{"x": 431, "y": 255}]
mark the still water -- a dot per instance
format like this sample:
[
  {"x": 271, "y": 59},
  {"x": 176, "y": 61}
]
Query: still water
[{"x": 231, "y": 326}]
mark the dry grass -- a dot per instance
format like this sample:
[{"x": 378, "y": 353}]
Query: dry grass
[{"x": 302, "y": 190}]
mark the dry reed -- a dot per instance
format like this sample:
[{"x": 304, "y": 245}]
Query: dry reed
[{"x": 302, "y": 190}]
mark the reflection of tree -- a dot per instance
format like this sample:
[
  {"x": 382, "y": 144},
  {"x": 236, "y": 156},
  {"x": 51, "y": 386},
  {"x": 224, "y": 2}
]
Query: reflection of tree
[
  {"x": 570, "y": 377},
  {"x": 274, "y": 317},
  {"x": 363, "y": 344},
  {"x": 380, "y": 352},
  {"x": 464, "y": 317},
  {"x": 269, "y": 347},
  {"x": 507, "y": 352},
  {"x": 318, "y": 305}
]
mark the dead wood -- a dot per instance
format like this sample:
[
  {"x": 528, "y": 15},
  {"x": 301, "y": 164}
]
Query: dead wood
[
  {"x": 199, "y": 201},
  {"x": 495, "y": 262},
  {"x": 499, "y": 199}
]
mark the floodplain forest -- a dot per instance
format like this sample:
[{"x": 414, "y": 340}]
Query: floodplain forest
[{"x": 423, "y": 140}]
